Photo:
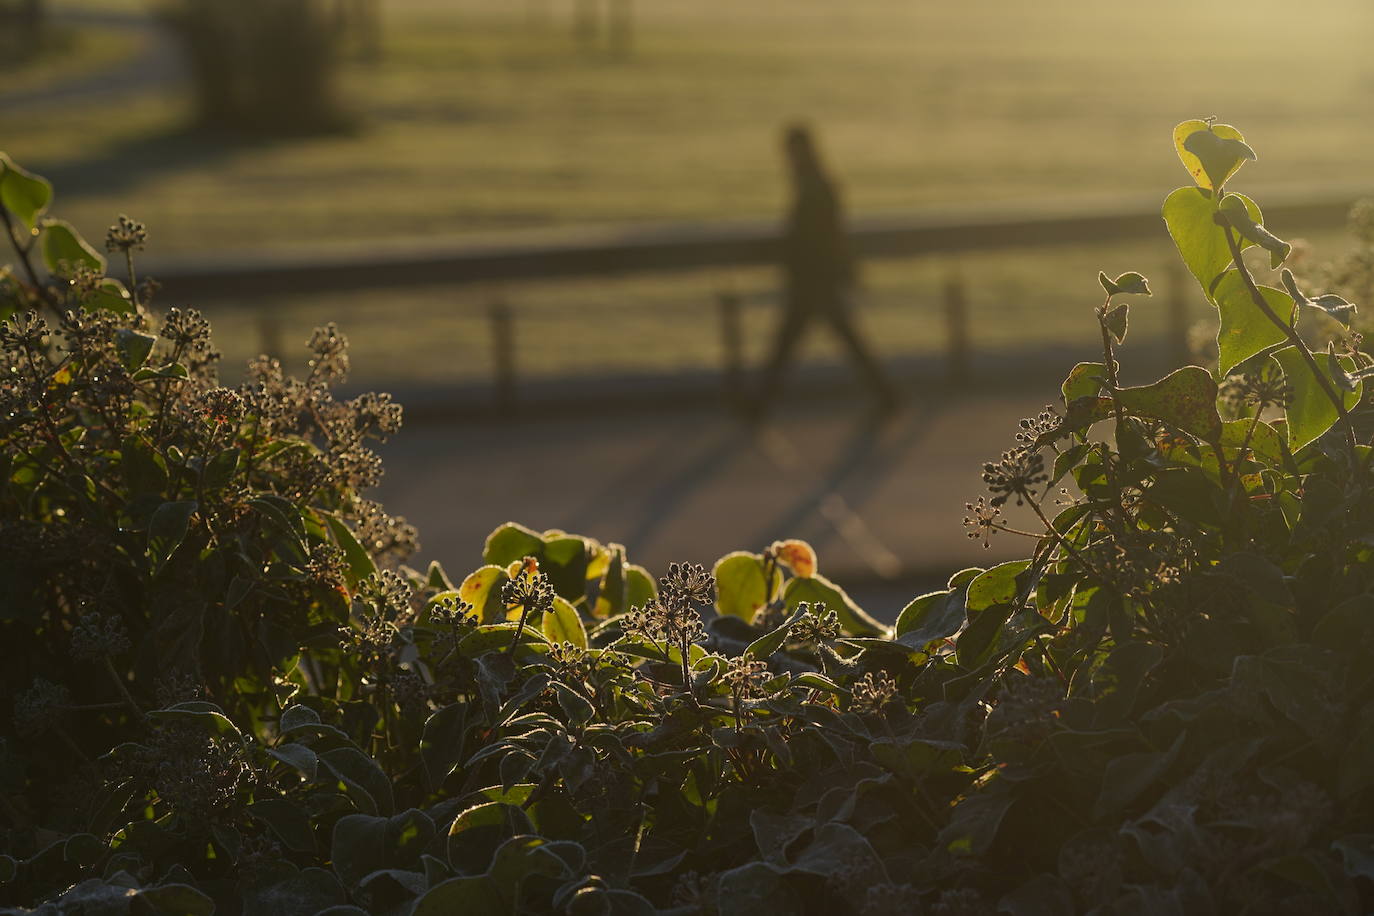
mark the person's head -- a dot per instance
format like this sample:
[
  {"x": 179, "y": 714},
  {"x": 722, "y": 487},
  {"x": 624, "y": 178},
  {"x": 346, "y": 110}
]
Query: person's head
[{"x": 800, "y": 149}]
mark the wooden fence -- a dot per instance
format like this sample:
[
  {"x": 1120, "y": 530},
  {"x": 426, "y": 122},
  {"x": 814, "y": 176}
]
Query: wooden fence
[{"x": 623, "y": 250}]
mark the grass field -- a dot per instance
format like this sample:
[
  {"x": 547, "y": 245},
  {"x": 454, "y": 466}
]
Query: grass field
[{"x": 480, "y": 118}]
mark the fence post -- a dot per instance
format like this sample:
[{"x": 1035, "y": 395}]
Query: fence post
[
  {"x": 503, "y": 356},
  {"x": 956, "y": 329},
  {"x": 731, "y": 345},
  {"x": 1180, "y": 350}
]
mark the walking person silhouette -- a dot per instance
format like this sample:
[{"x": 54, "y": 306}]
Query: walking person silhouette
[{"x": 818, "y": 276}]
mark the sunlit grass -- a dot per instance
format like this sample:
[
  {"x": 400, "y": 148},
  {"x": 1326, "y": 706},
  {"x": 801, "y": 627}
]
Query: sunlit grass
[{"x": 477, "y": 121}]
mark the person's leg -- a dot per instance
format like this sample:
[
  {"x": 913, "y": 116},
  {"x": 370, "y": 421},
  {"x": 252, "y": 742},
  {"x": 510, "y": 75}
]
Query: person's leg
[
  {"x": 869, "y": 367},
  {"x": 794, "y": 321}
]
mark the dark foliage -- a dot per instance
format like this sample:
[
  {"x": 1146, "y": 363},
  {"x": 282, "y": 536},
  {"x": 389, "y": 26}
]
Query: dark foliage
[{"x": 229, "y": 696}]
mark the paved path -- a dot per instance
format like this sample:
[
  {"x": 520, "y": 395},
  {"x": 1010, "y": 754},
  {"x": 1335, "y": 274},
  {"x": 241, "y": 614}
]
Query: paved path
[
  {"x": 157, "y": 63},
  {"x": 880, "y": 502}
]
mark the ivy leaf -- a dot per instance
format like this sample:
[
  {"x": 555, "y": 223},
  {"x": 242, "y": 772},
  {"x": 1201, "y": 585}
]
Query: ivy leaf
[
  {"x": 1331, "y": 304},
  {"x": 1185, "y": 399},
  {"x": 1310, "y": 412},
  {"x": 769, "y": 643},
  {"x": 797, "y": 556},
  {"x": 360, "y": 564},
  {"x": 1084, "y": 380},
  {"x": 23, "y": 193},
  {"x": 133, "y": 347},
  {"x": 820, "y": 590},
  {"x": 1211, "y": 153},
  {"x": 1233, "y": 210},
  {"x": 1245, "y": 330},
  {"x": 931, "y": 618},
  {"x": 482, "y": 590},
  {"x": 512, "y": 542},
  {"x": 1131, "y": 283},
  {"x": 1115, "y": 321},
  {"x": 367, "y": 785},
  {"x": 1188, "y": 214},
  {"x": 167, "y": 529},
  {"x": 64, "y": 249},
  {"x": 442, "y": 745},
  {"x": 563, "y": 624},
  {"x": 741, "y": 589},
  {"x": 1265, "y": 443}
]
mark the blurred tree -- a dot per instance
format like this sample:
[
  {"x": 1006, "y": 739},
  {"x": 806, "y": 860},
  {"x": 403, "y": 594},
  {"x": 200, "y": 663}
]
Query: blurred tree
[
  {"x": 262, "y": 66},
  {"x": 21, "y": 28}
]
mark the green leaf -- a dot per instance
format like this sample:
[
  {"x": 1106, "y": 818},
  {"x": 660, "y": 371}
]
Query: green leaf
[
  {"x": 1245, "y": 330},
  {"x": 1235, "y": 212},
  {"x": 1333, "y": 305},
  {"x": 1084, "y": 380},
  {"x": 1127, "y": 776},
  {"x": 766, "y": 645},
  {"x": 474, "y": 895},
  {"x": 1130, "y": 283},
  {"x": 512, "y": 542},
  {"x": 740, "y": 586},
  {"x": 640, "y": 587},
  {"x": 754, "y": 889},
  {"x": 996, "y": 586},
  {"x": 23, "y": 193},
  {"x": 1211, "y": 153},
  {"x": 1116, "y": 321},
  {"x": 442, "y": 745},
  {"x": 220, "y": 469},
  {"x": 564, "y": 561},
  {"x": 563, "y": 624},
  {"x": 133, "y": 347},
  {"x": 820, "y": 590},
  {"x": 1116, "y": 683},
  {"x": 167, "y": 529},
  {"x": 477, "y": 831},
  {"x": 145, "y": 473},
  {"x": 298, "y": 756},
  {"x": 931, "y": 618},
  {"x": 1310, "y": 412},
  {"x": 482, "y": 590},
  {"x": 1201, "y": 242},
  {"x": 204, "y": 717},
  {"x": 1266, "y": 446},
  {"x": 63, "y": 245},
  {"x": 489, "y": 637},
  {"x": 362, "y": 778},
  {"x": 360, "y": 564},
  {"x": 288, "y": 820},
  {"x": 1185, "y": 399}
]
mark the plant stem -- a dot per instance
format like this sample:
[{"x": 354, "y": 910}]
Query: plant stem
[
  {"x": 1288, "y": 331},
  {"x": 1064, "y": 542},
  {"x": 23, "y": 252},
  {"x": 519, "y": 628},
  {"x": 123, "y": 690}
]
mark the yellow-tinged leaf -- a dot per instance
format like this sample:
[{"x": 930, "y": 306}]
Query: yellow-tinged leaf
[
  {"x": 482, "y": 591},
  {"x": 1193, "y": 163},
  {"x": 797, "y": 556},
  {"x": 563, "y": 624}
]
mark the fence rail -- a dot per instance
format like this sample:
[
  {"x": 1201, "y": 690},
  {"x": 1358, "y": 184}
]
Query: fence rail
[{"x": 617, "y": 251}]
